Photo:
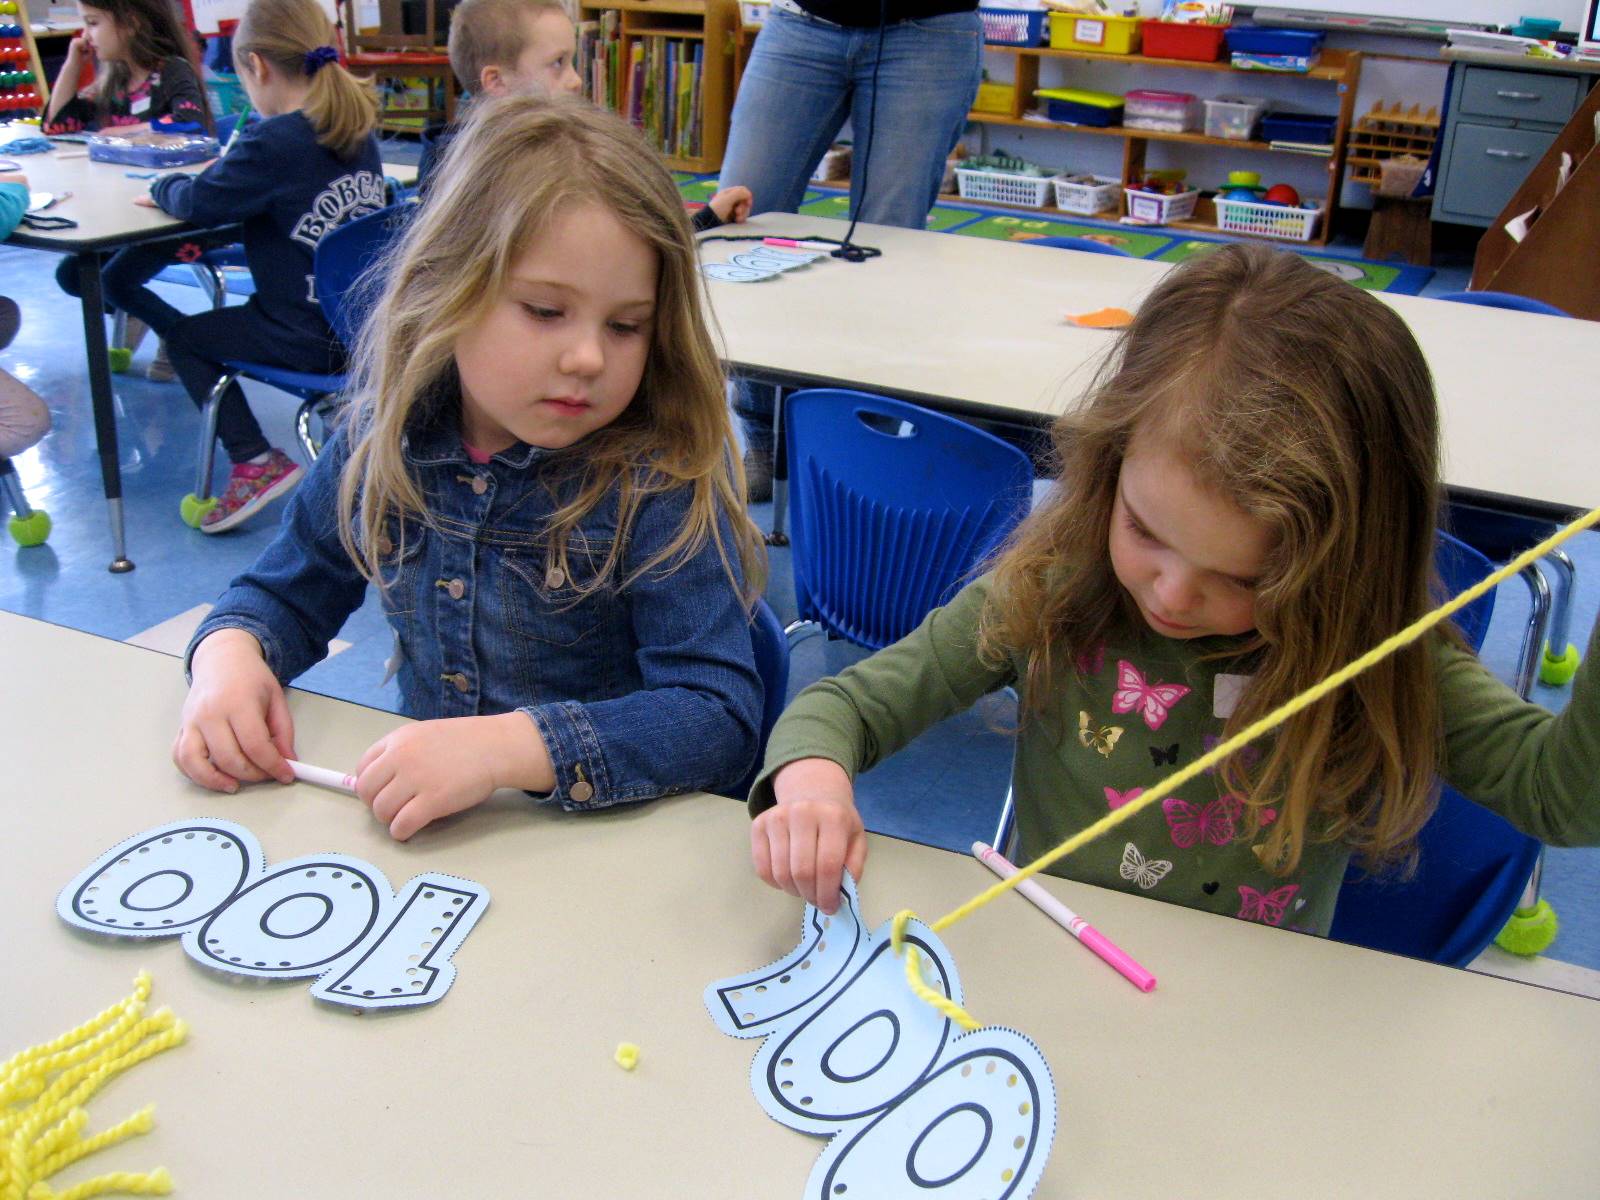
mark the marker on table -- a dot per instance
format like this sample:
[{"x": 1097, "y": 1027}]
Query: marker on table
[
  {"x": 1067, "y": 919},
  {"x": 323, "y": 777},
  {"x": 801, "y": 244}
]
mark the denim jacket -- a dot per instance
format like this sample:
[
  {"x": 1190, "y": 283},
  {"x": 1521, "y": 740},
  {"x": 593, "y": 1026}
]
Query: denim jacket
[{"x": 638, "y": 692}]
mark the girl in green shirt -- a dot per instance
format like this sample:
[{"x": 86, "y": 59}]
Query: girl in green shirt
[{"x": 1247, "y": 501}]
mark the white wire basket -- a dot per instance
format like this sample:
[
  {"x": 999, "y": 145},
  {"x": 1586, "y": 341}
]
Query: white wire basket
[
  {"x": 1025, "y": 191},
  {"x": 1278, "y": 221}
]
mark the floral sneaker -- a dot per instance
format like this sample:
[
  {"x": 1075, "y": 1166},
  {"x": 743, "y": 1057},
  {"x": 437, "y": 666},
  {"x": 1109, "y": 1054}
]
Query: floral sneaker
[{"x": 252, "y": 487}]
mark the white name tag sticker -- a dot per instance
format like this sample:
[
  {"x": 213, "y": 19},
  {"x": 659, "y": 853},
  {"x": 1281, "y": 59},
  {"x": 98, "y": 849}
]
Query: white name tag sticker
[
  {"x": 1226, "y": 693},
  {"x": 139, "y": 105}
]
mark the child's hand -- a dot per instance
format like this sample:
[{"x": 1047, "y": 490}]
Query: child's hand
[
  {"x": 79, "y": 48},
  {"x": 422, "y": 772},
  {"x": 14, "y": 177},
  {"x": 145, "y": 202},
  {"x": 235, "y": 726},
  {"x": 732, "y": 204},
  {"x": 805, "y": 842}
]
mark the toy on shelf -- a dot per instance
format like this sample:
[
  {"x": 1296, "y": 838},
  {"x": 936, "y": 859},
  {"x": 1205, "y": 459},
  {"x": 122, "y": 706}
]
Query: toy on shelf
[
  {"x": 23, "y": 91},
  {"x": 1282, "y": 193},
  {"x": 1242, "y": 185}
]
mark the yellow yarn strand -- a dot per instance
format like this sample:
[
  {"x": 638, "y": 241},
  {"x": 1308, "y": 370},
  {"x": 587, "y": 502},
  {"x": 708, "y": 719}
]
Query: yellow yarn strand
[
  {"x": 42, "y": 1118},
  {"x": 1215, "y": 755}
]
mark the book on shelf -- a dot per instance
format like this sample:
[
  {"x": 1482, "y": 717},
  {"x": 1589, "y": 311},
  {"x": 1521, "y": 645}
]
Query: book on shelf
[{"x": 1319, "y": 149}]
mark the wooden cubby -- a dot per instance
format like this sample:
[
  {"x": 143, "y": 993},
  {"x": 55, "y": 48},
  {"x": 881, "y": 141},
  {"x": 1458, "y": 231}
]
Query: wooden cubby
[
  {"x": 1339, "y": 68},
  {"x": 712, "y": 24}
]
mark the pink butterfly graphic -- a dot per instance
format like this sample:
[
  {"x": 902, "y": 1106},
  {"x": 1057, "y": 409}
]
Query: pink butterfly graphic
[
  {"x": 1190, "y": 825},
  {"x": 1248, "y": 757},
  {"x": 1117, "y": 799},
  {"x": 1267, "y": 907},
  {"x": 1089, "y": 662},
  {"x": 1150, "y": 701}
]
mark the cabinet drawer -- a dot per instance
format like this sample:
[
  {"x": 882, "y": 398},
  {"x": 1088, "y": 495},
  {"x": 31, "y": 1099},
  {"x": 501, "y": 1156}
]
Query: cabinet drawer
[
  {"x": 1518, "y": 95},
  {"x": 1487, "y": 165}
]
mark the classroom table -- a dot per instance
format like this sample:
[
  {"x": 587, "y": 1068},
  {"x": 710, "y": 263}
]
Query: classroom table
[
  {"x": 101, "y": 203},
  {"x": 974, "y": 326},
  {"x": 1265, "y": 1063}
]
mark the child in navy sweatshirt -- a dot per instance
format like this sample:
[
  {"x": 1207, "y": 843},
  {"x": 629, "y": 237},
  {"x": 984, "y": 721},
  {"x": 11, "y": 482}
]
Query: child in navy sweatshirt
[{"x": 308, "y": 167}]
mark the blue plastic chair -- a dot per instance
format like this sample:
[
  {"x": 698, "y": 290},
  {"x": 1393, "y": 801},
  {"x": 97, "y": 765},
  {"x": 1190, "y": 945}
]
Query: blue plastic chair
[
  {"x": 771, "y": 648},
  {"x": 893, "y": 507},
  {"x": 1088, "y": 245},
  {"x": 1473, "y": 867},
  {"x": 1504, "y": 300},
  {"x": 342, "y": 257}
]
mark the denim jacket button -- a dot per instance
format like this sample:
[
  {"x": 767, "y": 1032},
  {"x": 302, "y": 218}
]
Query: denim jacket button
[
  {"x": 480, "y": 485},
  {"x": 456, "y": 588},
  {"x": 581, "y": 791},
  {"x": 554, "y": 578},
  {"x": 385, "y": 546},
  {"x": 461, "y": 681}
]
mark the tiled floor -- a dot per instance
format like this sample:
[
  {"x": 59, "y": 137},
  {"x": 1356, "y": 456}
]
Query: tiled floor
[{"x": 946, "y": 789}]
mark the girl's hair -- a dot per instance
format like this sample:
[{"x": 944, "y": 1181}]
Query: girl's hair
[
  {"x": 288, "y": 34},
  {"x": 1306, "y": 403},
  {"x": 491, "y": 33},
  {"x": 155, "y": 33},
  {"x": 517, "y": 163}
]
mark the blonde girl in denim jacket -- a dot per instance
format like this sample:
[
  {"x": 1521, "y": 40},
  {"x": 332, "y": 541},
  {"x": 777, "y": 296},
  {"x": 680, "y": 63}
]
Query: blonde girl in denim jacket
[{"x": 538, "y": 472}]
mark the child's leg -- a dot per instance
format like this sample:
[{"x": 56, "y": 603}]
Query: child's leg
[
  {"x": 24, "y": 419},
  {"x": 197, "y": 346}
]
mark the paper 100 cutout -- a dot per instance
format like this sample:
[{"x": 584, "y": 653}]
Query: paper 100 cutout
[
  {"x": 325, "y": 916},
  {"x": 915, "y": 1109}
]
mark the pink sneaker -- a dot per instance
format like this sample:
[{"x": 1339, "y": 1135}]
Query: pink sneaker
[{"x": 251, "y": 487}]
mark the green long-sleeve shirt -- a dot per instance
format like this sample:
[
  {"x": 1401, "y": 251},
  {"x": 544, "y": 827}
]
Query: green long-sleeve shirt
[{"x": 1149, "y": 705}]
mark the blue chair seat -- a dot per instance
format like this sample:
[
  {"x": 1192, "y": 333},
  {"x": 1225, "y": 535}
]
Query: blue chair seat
[
  {"x": 305, "y": 384},
  {"x": 1087, "y": 245}
]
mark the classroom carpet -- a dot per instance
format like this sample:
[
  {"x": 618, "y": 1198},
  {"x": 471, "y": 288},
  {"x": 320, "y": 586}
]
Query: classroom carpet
[{"x": 975, "y": 220}]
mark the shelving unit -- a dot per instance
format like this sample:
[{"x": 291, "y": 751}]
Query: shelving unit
[
  {"x": 1339, "y": 68},
  {"x": 695, "y": 39}
]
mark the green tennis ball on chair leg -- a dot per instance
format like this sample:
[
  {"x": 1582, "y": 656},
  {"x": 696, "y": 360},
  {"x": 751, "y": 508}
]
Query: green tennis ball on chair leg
[
  {"x": 31, "y": 530},
  {"x": 1557, "y": 670},
  {"x": 121, "y": 359},
  {"x": 1530, "y": 930},
  {"x": 193, "y": 509}
]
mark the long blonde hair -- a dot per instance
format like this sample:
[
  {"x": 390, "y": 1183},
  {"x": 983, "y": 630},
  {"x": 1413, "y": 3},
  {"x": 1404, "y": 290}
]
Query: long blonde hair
[
  {"x": 516, "y": 163},
  {"x": 1307, "y": 404},
  {"x": 341, "y": 108}
]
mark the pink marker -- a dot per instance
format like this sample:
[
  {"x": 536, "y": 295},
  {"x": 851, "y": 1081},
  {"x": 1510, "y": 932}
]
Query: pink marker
[
  {"x": 322, "y": 777},
  {"x": 1067, "y": 919},
  {"x": 793, "y": 244}
]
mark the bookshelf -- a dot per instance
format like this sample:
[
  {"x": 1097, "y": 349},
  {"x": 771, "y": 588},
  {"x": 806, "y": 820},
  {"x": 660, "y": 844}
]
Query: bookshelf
[
  {"x": 667, "y": 65},
  {"x": 1339, "y": 68}
]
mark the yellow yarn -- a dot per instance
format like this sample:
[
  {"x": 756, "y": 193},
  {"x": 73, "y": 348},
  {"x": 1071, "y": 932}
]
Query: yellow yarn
[
  {"x": 1216, "y": 754},
  {"x": 42, "y": 1118}
]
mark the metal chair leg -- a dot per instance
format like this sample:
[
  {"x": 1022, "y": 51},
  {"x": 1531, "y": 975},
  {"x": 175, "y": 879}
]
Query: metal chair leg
[
  {"x": 1559, "y": 662},
  {"x": 200, "y": 501},
  {"x": 28, "y": 526},
  {"x": 212, "y": 280},
  {"x": 1538, "y": 623}
]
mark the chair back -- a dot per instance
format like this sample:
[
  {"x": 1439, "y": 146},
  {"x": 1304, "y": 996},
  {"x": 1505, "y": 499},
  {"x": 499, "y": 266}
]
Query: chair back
[
  {"x": 893, "y": 508},
  {"x": 396, "y": 29},
  {"x": 1088, "y": 245},
  {"x": 1472, "y": 865},
  {"x": 343, "y": 256},
  {"x": 1504, "y": 300},
  {"x": 772, "y": 664}
]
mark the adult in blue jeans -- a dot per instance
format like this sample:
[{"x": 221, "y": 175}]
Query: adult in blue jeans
[{"x": 818, "y": 62}]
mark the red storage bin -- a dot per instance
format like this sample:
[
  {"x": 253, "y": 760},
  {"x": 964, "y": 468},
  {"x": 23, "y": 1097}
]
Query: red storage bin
[{"x": 1197, "y": 43}]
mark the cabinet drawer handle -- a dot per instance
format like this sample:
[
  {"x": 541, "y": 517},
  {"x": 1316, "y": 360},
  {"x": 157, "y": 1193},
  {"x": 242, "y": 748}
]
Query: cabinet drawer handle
[
  {"x": 1492, "y": 152},
  {"x": 1506, "y": 94}
]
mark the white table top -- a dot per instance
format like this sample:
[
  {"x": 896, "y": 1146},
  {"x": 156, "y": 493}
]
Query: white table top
[
  {"x": 1265, "y": 1063},
  {"x": 1520, "y": 62},
  {"x": 975, "y": 325},
  {"x": 102, "y": 199}
]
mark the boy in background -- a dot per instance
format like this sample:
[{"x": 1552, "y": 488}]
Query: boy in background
[{"x": 525, "y": 47}]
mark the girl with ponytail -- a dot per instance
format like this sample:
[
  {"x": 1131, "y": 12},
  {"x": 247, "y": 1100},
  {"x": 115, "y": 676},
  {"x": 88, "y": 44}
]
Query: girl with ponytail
[{"x": 308, "y": 166}]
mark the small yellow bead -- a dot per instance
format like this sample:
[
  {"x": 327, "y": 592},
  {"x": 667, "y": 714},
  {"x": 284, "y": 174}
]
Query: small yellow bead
[{"x": 627, "y": 1056}]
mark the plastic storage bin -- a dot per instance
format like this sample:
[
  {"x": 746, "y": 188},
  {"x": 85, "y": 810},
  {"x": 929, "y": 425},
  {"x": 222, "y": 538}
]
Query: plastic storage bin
[
  {"x": 1297, "y": 127},
  {"x": 1087, "y": 194},
  {"x": 1001, "y": 187},
  {"x": 995, "y": 98},
  {"x": 1170, "y": 112},
  {"x": 179, "y": 150},
  {"x": 1158, "y": 209},
  {"x": 1253, "y": 39},
  {"x": 1267, "y": 220},
  {"x": 1234, "y": 117},
  {"x": 1194, "y": 43},
  {"x": 1105, "y": 35},
  {"x": 754, "y": 12},
  {"x": 1081, "y": 107},
  {"x": 1013, "y": 26}
]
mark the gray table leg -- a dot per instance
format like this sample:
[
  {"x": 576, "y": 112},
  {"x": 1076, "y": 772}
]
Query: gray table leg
[{"x": 105, "y": 420}]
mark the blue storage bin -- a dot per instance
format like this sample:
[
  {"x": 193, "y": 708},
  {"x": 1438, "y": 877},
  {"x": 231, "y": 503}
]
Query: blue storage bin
[
  {"x": 1082, "y": 107},
  {"x": 1013, "y": 26},
  {"x": 1253, "y": 39},
  {"x": 1297, "y": 127}
]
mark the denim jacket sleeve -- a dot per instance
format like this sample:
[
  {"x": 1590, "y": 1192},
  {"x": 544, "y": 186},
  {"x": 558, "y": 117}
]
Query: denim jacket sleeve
[
  {"x": 297, "y": 595},
  {"x": 694, "y": 725}
]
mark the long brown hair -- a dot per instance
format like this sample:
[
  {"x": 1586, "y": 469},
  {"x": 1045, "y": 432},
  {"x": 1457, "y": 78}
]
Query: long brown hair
[
  {"x": 516, "y": 163},
  {"x": 341, "y": 108},
  {"x": 155, "y": 33},
  {"x": 1307, "y": 404}
]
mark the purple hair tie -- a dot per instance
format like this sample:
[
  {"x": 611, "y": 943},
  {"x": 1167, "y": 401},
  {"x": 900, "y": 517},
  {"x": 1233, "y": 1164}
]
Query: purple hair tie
[{"x": 316, "y": 59}]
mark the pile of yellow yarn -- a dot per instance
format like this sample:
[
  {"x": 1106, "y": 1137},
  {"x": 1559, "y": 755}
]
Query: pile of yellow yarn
[{"x": 43, "y": 1090}]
